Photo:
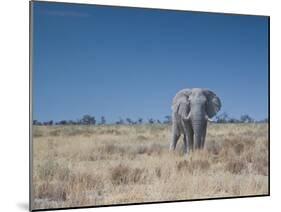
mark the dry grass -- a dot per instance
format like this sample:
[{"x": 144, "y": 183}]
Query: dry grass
[{"x": 99, "y": 165}]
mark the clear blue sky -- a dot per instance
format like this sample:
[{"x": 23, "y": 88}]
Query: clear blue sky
[{"x": 130, "y": 62}]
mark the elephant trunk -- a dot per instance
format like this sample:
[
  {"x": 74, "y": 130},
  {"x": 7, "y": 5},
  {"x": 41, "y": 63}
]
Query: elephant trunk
[
  {"x": 199, "y": 121},
  {"x": 199, "y": 129}
]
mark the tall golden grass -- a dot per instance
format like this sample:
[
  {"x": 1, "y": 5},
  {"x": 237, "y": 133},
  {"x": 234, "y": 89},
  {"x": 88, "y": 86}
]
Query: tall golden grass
[{"x": 100, "y": 165}]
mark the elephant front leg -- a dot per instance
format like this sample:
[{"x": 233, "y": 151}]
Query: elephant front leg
[
  {"x": 197, "y": 141},
  {"x": 188, "y": 137},
  {"x": 190, "y": 140},
  {"x": 175, "y": 137},
  {"x": 185, "y": 145},
  {"x": 202, "y": 143}
]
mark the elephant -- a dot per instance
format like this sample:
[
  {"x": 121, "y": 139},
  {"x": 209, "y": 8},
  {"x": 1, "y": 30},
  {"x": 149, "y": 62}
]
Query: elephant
[{"x": 191, "y": 111}]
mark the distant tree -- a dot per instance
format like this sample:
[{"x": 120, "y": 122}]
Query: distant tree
[
  {"x": 129, "y": 121},
  {"x": 71, "y": 122},
  {"x": 158, "y": 121},
  {"x": 264, "y": 120},
  {"x": 246, "y": 119},
  {"x": 121, "y": 121},
  {"x": 233, "y": 120},
  {"x": 102, "y": 121},
  {"x": 62, "y": 122},
  {"x": 46, "y": 123},
  {"x": 168, "y": 120},
  {"x": 88, "y": 120},
  {"x": 222, "y": 118},
  {"x": 151, "y": 121},
  {"x": 35, "y": 122},
  {"x": 140, "y": 120},
  {"x": 79, "y": 122}
]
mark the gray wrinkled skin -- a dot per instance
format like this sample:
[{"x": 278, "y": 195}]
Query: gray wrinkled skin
[{"x": 192, "y": 109}]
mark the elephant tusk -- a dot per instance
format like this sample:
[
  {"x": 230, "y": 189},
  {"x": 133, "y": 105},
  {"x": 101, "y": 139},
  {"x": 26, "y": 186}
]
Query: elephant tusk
[
  {"x": 208, "y": 119},
  {"x": 187, "y": 117}
]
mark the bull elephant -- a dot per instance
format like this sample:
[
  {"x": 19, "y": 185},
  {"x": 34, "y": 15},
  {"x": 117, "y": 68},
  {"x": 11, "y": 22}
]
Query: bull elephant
[{"x": 191, "y": 111}]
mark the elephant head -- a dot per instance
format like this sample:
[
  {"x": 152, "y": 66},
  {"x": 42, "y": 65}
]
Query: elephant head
[{"x": 192, "y": 108}]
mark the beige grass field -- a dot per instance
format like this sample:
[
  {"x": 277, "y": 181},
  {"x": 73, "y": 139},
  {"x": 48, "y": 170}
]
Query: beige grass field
[{"x": 100, "y": 165}]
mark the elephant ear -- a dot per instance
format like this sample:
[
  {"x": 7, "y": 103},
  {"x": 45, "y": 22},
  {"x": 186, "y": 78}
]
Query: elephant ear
[
  {"x": 213, "y": 103},
  {"x": 183, "y": 108},
  {"x": 181, "y": 104}
]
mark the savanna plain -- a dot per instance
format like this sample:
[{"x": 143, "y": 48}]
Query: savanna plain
[{"x": 118, "y": 164}]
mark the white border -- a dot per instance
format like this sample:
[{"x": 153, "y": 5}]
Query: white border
[{"x": 14, "y": 90}]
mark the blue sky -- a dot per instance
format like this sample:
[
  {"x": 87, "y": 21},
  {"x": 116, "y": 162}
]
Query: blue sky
[{"x": 130, "y": 62}]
